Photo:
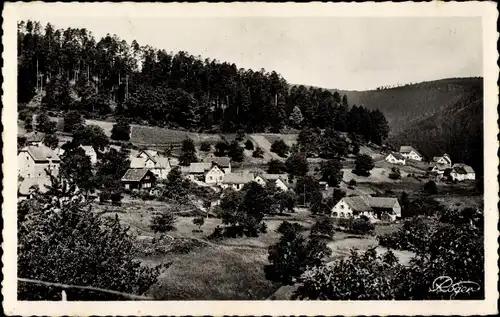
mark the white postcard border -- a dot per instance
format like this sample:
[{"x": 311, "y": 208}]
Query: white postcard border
[{"x": 486, "y": 10}]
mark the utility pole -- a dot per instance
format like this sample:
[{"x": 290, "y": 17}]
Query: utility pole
[
  {"x": 37, "y": 77},
  {"x": 126, "y": 88},
  {"x": 304, "y": 195}
]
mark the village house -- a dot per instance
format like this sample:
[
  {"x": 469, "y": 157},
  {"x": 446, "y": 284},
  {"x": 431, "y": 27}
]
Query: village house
[
  {"x": 223, "y": 162},
  {"x": 439, "y": 170},
  {"x": 89, "y": 151},
  {"x": 236, "y": 181},
  {"x": 280, "y": 180},
  {"x": 442, "y": 160},
  {"x": 138, "y": 178},
  {"x": 152, "y": 160},
  {"x": 461, "y": 172},
  {"x": 34, "y": 138},
  {"x": 34, "y": 161},
  {"x": 28, "y": 186},
  {"x": 396, "y": 158},
  {"x": 214, "y": 175},
  {"x": 410, "y": 153},
  {"x": 375, "y": 208}
]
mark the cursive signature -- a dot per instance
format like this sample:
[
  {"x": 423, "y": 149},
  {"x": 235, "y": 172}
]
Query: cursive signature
[{"x": 444, "y": 284}]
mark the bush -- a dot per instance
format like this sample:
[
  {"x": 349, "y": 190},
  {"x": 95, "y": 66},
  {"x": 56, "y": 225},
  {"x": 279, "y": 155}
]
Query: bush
[
  {"x": 323, "y": 227},
  {"x": 286, "y": 226},
  {"x": 362, "y": 226},
  {"x": 364, "y": 164},
  {"x": 221, "y": 148},
  {"x": 121, "y": 130},
  {"x": 258, "y": 153},
  {"x": 163, "y": 222},
  {"x": 352, "y": 183},
  {"x": 249, "y": 145},
  {"x": 199, "y": 221},
  {"x": 205, "y": 147},
  {"x": 431, "y": 188},
  {"x": 394, "y": 176},
  {"x": 279, "y": 147}
]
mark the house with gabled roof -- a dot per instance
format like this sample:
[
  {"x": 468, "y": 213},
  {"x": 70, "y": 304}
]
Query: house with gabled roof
[
  {"x": 138, "y": 178},
  {"x": 410, "y": 153},
  {"x": 34, "y": 161},
  {"x": 280, "y": 180},
  {"x": 461, "y": 172},
  {"x": 375, "y": 208},
  {"x": 152, "y": 160},
  {"x": 34, "y": 138},
  {"x": 442, "y": 160},
  {"x": 236, "y": 181},
  {"x": 222, "y": 162},
  {"x": 396, "y": 158}
]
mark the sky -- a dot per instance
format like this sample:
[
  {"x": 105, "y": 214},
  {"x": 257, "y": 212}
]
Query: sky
[{"x": 348, "y": 53}]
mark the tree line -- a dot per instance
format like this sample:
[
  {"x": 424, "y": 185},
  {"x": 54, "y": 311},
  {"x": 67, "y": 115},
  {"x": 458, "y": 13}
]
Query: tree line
[{"x": 109, "y": 76}]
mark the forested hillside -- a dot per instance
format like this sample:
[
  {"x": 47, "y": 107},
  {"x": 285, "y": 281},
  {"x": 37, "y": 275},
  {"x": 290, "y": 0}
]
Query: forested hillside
[
  {"x": 456, "y": 129},
  {"x": 109, "y": 77},
  {"x": 411, "y": 103}
]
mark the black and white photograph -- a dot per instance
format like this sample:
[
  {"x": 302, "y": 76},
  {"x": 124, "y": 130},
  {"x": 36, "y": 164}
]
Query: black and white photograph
[{"x": 202, "y": 152}]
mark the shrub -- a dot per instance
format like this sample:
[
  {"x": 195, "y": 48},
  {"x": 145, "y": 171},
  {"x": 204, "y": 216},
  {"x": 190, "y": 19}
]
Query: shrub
[
  {"x": 121, "y": 130},
  {"x": 362, "y": 226},
  {"x": 352, "y": 183},
  {"x": 258, "y": 153},
  {"x": 323, "y": 227},
  {"x": 163, "y": 222},
  {"x": 286, "y": 226},
  {"x": 364, "y": 164},
  {"x": 431, "y": 188},
  {"x": 249, "y": 145},
  {"x": 279, "y": 147},
  {"x": 394, "y": 176},
  {"x": 205, "y": 147},
  {"x": 199, "y": 221}
]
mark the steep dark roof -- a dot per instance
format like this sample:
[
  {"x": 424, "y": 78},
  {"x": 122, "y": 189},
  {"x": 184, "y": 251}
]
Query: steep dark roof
[
  {"x": 223, "y": 161},
  {"x": 135, "y": 174},
  {"x": 463, "y": 169},
  {"x": 398, "y": 156}
]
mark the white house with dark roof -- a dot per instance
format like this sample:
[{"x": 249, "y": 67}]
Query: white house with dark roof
[
  {"x": 442, "y": 160},
  {"x": 375, "y": 208},
  {"x": 461, "y": 172},
  {"x": 152, "y": 160},
  {"x": 410, "y": 153},
  {"x": 280, "y": 180},
  {"x": 396, "y": 158},
  {"x": 34, "y": 161},
  {"x": 236, "y": 181}
]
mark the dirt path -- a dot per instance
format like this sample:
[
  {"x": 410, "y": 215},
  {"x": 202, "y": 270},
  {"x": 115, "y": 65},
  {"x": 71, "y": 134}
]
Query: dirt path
[{"x": 265, "y": 145}]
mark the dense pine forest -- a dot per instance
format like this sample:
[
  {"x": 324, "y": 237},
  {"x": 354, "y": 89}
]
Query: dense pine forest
[{"x": 110, "y": 77}]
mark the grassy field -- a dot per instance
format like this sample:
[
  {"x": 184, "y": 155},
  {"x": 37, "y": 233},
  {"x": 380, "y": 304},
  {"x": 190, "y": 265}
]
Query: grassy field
[
  {"x": 289, "y": 139},
  {"x": 206, "y": 270}
]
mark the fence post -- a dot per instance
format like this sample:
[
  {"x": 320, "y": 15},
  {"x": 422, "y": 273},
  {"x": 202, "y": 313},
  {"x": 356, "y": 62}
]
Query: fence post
[{"x": 63, "y": 296}]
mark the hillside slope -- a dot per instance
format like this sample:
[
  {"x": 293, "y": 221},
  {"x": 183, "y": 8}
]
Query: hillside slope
[{"x": 413, "y": 103}]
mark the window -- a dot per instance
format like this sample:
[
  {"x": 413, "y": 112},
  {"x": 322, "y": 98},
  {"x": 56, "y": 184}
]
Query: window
[
  {"x": 341, "y": 206},
  {"x": 341, "y": 215},
  {"x": 210, "y": 178},
  {"x": 335, "y": 214}
]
